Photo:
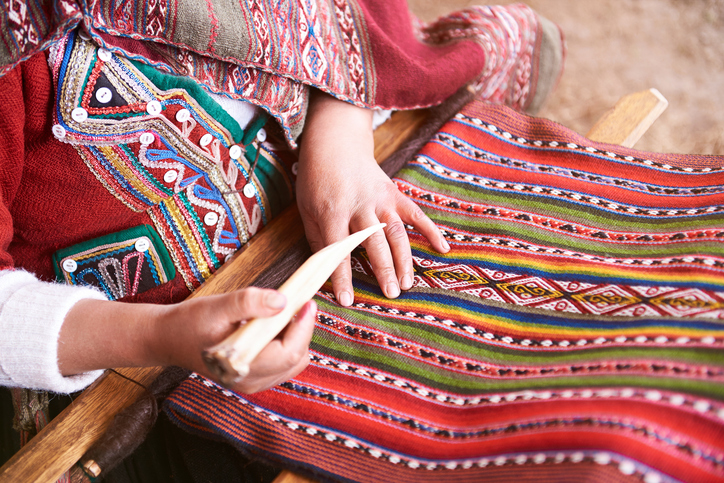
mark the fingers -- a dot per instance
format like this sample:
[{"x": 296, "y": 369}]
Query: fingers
[
  {"x": 298, "y": 335},
  {"x": 413, "y": 215},
  {"x": 284, "y": 357},
  {"x": 342, "y": 276},
  {"x": 378, "y": 251},
  {"x": 392, "y": 261},
  {"x": 252, "y": 303}
]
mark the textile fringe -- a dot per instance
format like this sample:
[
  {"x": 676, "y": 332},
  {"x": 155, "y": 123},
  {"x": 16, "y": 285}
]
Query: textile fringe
[{"x": 31, "y": 415}]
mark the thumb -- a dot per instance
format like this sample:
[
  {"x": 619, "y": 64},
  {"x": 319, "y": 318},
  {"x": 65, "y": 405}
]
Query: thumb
[{"x": 252, "y": 302}]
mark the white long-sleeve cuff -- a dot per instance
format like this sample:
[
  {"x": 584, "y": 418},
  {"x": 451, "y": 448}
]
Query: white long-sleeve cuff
[{"x": 31, "y": 315}]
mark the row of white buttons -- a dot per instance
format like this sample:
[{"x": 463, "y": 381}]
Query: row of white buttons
[
  {"x": 104, "y": 95},
  {"x": 141, "y": 245}
]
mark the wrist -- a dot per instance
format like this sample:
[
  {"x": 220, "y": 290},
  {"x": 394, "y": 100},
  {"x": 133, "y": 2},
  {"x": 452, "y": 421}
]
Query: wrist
[
  {"x": 98, "y": 334},
  {"x": 329, "y": 113}
]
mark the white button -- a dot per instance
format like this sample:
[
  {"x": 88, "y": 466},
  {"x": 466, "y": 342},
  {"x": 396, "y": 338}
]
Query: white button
[
  {"x": 153, "y": 108},
  {"x": 104, "y": 55},
  {"x": 261, "y": 135},
  {"x": 206, "y": 139},
  {"x": 183, "y": 115},
  {"x": 249, "y": 190},
  {"x": 142, "y": 244},
  {"x": 83, "y": 34},
  {"x": 59, "y": 131},
  {"x": 79, "y": 114},
  {"x": 235, "y": 152},
  {"x": 104, "y": 95},
  {"x": 211, "y": 218},
  {"x": 147, "y": 138},
  {"x": 170, "y": 176},
  {"x": 69, "y": 265},
  {"x": 295, "y": 168}
]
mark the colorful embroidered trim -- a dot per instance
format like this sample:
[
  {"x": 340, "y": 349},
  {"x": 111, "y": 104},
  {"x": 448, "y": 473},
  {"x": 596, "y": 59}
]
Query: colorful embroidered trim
[
  {"x": 573, "y": 331},
  {"x": 120, "y": 264},
  {"x": 164, "y": 152}
]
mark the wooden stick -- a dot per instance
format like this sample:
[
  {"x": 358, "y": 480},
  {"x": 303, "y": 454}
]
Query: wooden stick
[{"x": 229, "y": 361}]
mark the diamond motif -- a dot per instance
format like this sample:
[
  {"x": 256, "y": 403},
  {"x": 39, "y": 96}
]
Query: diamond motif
[
  {"x": 314, "y": 63},
  {"x": 687, "y": 302},
  {"x": 529, "y": 291},
  {"x": 453, "y": 277},
  {"x": 561, "y": 306},
  {"x": 638, "y": 310},
  {"x": 648, "y": 291},
  {"x": 606, "y": 299},
  {"x": 485, "y": 293}
]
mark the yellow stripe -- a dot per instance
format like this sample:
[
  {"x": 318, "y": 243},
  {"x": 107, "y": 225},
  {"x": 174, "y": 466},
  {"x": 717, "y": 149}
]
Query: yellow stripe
[
  {"x": 189, "y": 238},
  {"x": 129, "y": 175}
]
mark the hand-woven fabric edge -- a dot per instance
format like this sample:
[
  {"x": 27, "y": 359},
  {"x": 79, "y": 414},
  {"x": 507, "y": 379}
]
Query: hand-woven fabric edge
[{"x": 511, "y": 121}]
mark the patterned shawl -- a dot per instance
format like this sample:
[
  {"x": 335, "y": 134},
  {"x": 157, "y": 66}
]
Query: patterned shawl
[{"x": 371, "y": 53}]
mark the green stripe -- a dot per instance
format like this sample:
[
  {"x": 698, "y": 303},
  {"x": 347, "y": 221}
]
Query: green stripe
[
  {"x": 565, "y": 241},
  {"x": 558, "y": 208},
  {"x": 440, "y": 379},
  {"x": 477, "y": 349}
]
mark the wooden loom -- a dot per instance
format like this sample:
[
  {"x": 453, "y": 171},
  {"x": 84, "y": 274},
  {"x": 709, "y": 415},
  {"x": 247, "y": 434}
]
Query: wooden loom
[{"x": 66, "y": 438}]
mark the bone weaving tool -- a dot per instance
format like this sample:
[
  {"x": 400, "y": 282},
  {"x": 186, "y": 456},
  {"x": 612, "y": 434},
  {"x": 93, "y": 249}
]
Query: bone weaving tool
[{"x": 229, "y": 360}]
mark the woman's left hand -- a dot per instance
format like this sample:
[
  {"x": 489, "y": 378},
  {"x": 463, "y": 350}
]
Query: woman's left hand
[{"x": 341, "y": 190}]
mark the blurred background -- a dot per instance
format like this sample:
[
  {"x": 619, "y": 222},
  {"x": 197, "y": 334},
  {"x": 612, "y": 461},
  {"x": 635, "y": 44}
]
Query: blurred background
[{"x": 616, "y": 47}]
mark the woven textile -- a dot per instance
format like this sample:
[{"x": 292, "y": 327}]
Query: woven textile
[{"x": 573, "y": 331}]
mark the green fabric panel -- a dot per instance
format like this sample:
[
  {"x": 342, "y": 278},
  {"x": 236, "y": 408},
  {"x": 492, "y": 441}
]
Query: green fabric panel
[
  {"x": 166, "y": 82},
  {"x": 118, "y": 237},
  {"x": 457, "y": 383}
]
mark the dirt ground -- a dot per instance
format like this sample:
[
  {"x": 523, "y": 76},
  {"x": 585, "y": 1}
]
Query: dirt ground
[{"x": 616, "y": 47}]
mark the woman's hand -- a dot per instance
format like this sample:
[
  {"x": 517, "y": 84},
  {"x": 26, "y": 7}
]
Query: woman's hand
[
  {"x": 99, "y": 334},
  {"x": 341, "y": 190}
]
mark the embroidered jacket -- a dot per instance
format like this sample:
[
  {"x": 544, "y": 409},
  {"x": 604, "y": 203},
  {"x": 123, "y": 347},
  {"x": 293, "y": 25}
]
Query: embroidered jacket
[{"x": 138, "y": 185}]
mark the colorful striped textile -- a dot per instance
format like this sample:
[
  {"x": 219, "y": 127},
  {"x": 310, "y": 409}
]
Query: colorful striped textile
[{"x": 573, "y": 332}]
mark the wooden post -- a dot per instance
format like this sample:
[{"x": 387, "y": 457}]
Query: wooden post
[{"x": 628, "y": 120}]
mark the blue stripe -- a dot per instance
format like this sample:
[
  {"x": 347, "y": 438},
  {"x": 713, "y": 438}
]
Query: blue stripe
[{"x": 549, "y": 317}]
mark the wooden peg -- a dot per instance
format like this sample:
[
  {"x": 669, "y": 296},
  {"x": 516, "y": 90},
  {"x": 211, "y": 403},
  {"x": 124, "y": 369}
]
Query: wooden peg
[{"x": 628, "y": 120}]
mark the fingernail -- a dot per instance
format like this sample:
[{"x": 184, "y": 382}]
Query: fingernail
[
  {"x": 445, "y": 245},
  {"x": 406, "y": 282},
  {"x": 345, "y": 299},
  {"x": 275, "y": 300},
  {"x": 392, "y": 290}
]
